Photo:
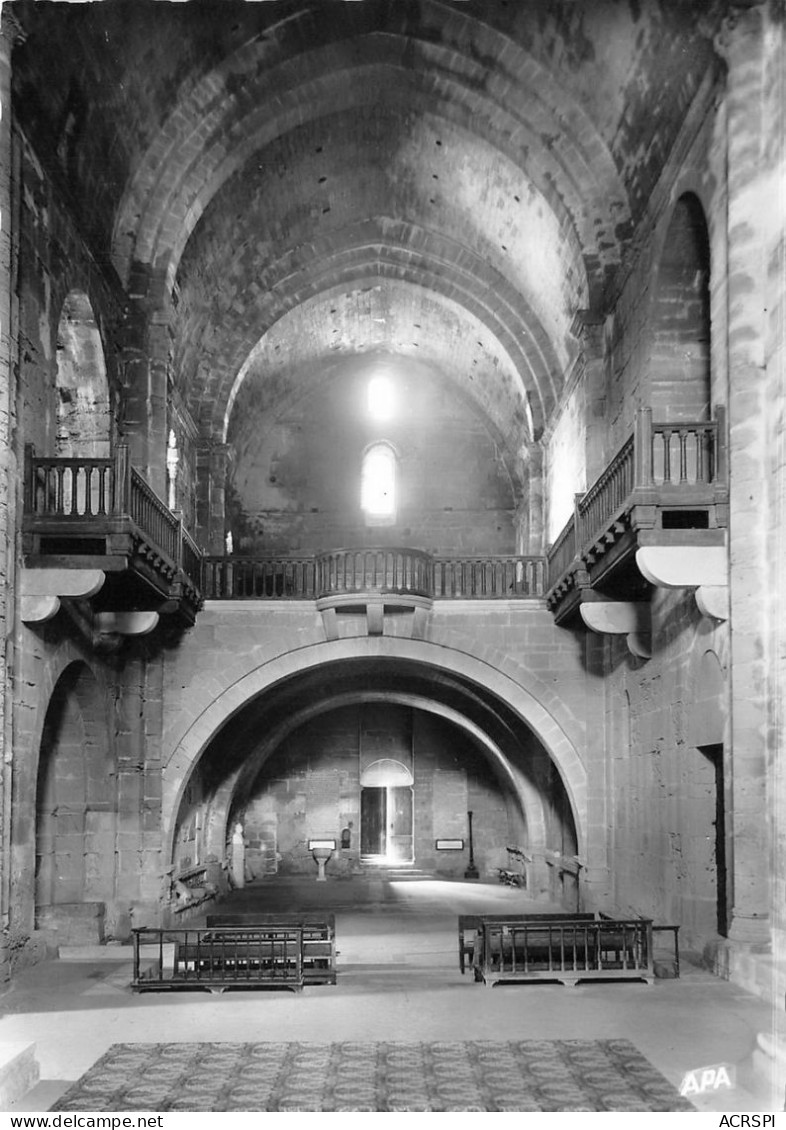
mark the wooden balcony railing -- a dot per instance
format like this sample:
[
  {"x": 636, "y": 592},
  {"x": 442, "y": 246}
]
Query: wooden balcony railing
[
  {"x": 672, "y": 464},
  {"x": 403, "y": 572},
  {"x": 190, "y": 557},
  {"x": 150, "y": 514},
  {"x": 259, "y": 578},
  {"x": 684, "y": 454},
  {"x": 488, "y": 578},
  {"x": 562, "y": 553},
  {"x": 606, "y": 496},
  {"x": 82, "y": 496},
  {"x": 400, "y": 572},
  {"x": 70, "y": 488}
]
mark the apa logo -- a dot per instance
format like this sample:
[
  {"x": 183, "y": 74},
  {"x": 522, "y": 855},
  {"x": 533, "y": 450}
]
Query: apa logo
[{"x": 712, "y": 1078}]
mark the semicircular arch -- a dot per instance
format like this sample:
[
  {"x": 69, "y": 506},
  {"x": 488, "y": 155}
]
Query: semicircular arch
[
  {"x": 501, "y": 311},
  {"x": 556, "y": 144},
  {"x": 525, "y": 702},
  {"x": 527, "y": 795}
]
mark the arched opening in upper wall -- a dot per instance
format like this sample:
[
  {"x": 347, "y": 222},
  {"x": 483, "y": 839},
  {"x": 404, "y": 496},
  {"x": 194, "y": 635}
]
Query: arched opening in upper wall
[
  {"x": 680, "y": 350},
  {"x": 83, "y": 403}
]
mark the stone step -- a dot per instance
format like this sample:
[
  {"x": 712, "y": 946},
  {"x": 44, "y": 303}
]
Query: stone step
[
  {"x": 19, "y": 1072},
  {"x": 392, "y": 874}
]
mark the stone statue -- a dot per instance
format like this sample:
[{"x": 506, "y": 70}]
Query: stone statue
[{"x": 238, "y": 857}]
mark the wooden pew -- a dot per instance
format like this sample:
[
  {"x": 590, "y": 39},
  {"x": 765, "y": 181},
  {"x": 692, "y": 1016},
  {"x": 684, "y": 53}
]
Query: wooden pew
[
  {"x": 568, "y": 949},
  {"x": 468, "y": 925},
  {"x": 269, "y": 956},
  {"x": 319, "y": 939}
]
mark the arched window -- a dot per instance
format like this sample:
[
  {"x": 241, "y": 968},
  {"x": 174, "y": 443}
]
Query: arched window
[
  {"x": 378, "y": 484},
  {"x": 680, "y": 353},
  {"x": 83, "y": 412}
]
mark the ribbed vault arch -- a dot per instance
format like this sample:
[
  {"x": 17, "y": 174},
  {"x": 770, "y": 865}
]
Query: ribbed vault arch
[
  {"x": 525, "y": 361},
  {"x": 259, "y": 93},
  {"x": 242, "y": 778}
]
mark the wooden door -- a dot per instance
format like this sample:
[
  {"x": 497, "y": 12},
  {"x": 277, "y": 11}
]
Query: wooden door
[{"x": 373, "y": 820}]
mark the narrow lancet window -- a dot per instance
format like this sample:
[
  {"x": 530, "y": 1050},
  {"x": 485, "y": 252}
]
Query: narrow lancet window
[{"x": 378, "y": 484}]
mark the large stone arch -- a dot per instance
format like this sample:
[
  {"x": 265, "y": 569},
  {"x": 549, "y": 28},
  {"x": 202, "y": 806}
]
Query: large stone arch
[
  {"x": 526, "y": 796},
  {"x": 523, "y": 701}
]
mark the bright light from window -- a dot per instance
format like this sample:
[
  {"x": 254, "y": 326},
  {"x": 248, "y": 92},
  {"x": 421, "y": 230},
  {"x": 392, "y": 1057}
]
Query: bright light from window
[
  {"x": 381, "y": 398},
  {"x": 378, "y": 482}
]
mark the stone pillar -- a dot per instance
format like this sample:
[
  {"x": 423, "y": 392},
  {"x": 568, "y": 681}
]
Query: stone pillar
[
  {"x": 212, "y": 464},
  {"x": 145, "y": 426},
  {"x": 159, "y": 343},
  {"x": 529, "y": 512},
  {"x": 588, "y": 328},
  {"x": 596, "y": 876},
  {"x": 139, "y": 848},
  {"x": 741, "y": 43},
  {"x": 9, "y": 32},
  {"x": 595, "y": 398},
  {"x": 774, "y": 167}
]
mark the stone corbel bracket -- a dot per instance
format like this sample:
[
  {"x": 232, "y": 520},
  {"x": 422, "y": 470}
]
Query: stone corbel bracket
[
  {"x": 43, "y": 589},
  {"x": 621, "y": 617},
  {"x": 703, "y": 568},
  {"x": 110, "y": 628},
  {"x": 414, "y": 611}
]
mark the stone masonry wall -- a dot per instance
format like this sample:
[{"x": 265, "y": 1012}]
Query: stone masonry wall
[
  {"x": 125, "y": 724},
  {"x": 633, "y": 331},
  {"x": 310, "y": 788},
  {"x": 295, "y": 484},
  {"x": 566, "y": 462},
  {"x": 661, "y": 787}
]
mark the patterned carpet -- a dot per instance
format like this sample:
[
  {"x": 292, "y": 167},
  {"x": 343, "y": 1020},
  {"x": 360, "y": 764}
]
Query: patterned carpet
[{"x": 526, "y": 1075}]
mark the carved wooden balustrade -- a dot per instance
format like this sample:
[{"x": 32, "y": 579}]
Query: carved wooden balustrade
[
  {"x": 70, "y": 489},
  {"x": 190, "y": 562},
  {"x": 606, "y": 497},
  {"x": 399, "y": 572},
  {"x": 259, "y": 578},
  {"x": 488, "y": 578},
  {"x": 101, "y": 513},
  {"x": 562, "y": 554},
  {"x": 383, "y": 571},
  {"x": 666, "y": 483}
]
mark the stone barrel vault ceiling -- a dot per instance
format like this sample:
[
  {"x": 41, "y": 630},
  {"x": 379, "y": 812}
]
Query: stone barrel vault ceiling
[{"x": 295, "y": 186}]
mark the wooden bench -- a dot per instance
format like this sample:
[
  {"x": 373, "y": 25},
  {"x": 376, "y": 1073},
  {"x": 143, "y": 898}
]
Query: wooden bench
[
  {"x": 468, "y": 925},
  {"x": 269, "y": 956},
  {"x": 567, "y": 949},
  {"x": 319, "y": 939}
]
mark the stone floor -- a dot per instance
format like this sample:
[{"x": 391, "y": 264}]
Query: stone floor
[{"x": 398, "y": 980}]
